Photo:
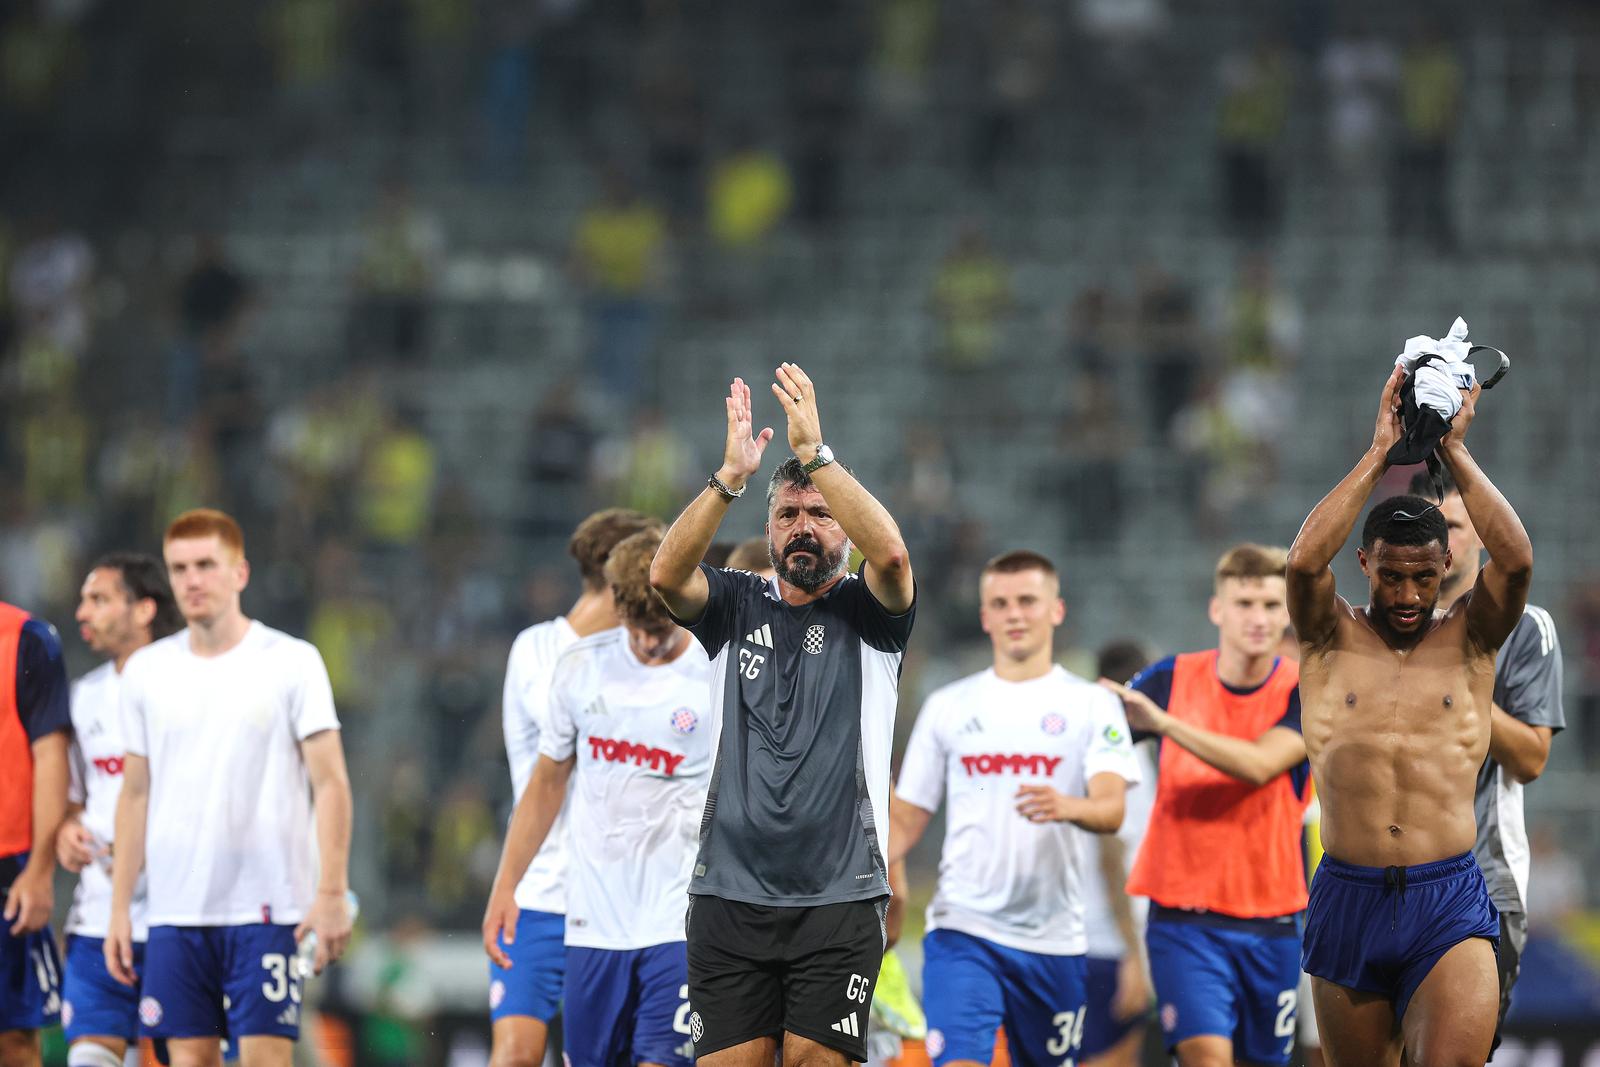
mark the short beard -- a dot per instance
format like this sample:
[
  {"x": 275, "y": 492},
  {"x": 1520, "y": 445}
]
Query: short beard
[{"x": 806, "y": 576}]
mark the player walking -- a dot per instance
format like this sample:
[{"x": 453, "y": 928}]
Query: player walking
[
  {"x": 1221, "y": 860},
  {"x": 525, "y": 995},
  {"x": 124, "y": 605},
  {"x": 1399, "y": 700},
  {"x": 790, "y": 887},
  {"x": 632, "y": 726},
  {"x": 34, "y": 727},
  {"x": 231, "y": 735},
  {"x": 1527, "y": 714},
  {"x": 1027, "y": 755}
]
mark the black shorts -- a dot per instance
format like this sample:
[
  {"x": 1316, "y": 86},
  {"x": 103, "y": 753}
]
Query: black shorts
[
  {"x": 1513, "y": 938},
  {"x": 757, "y": 971}
]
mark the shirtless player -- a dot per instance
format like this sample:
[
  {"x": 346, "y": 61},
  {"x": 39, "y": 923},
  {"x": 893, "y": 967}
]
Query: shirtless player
[{"x": 1400, "y": 933}]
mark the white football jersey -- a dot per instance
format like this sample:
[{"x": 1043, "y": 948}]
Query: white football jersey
[
  {"x": 1001, "y": 877},
  {"x": 524, "y": 713},
  {"x": 229, "y": 834},
  {"x": 643, "y": 737},
  {"x": 95, "y": 763},
  {"x": 1100, "y": 926}
]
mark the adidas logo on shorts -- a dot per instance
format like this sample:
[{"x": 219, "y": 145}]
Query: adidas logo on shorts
[{"x": 847, "y": 1025}]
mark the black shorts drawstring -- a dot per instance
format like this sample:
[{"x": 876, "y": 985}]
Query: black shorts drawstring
[{"x": 1394, "y": 880}]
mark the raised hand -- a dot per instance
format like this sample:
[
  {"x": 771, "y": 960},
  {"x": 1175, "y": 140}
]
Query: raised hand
[
  {"x": 799, "y": 399},
  {"x": 1388, "y": 429},
  {"x": 1463, "y": 418},
  {"x": 741, "y": 456}
]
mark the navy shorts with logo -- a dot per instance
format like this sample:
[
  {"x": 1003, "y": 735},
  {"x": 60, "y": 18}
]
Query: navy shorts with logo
[
  {"x": 220, "y": 981},
  {"x": 1381, "y": 929},
  {"x": 94, "y": 1004},
  {"x": 532, "y": 985}
]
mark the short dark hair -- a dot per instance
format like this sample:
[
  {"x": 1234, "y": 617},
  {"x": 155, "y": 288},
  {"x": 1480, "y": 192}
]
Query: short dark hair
[
  {"x": 792, "y": 472},
  {"x": 1018, "y": 560},
  {"x": 1405, "y": 520},
  {"x": 145, "y": 578},
  {"x": 1120, "y": 660},
  {"x": 596, "y": 536},
  {"x": 1433, "y": 486},
  {"x": 753, "y": 554}
]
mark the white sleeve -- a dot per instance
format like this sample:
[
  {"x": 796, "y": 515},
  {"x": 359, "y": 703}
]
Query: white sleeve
[
  {"x": 559, "y": 738},
  {"x": 518, "y": 719},
  {"x": 922, "y": 772},
  {"x": 312, "y": 711},
  {"x": 1110, "y": 749},
  {"x": 131, "y": 704}
]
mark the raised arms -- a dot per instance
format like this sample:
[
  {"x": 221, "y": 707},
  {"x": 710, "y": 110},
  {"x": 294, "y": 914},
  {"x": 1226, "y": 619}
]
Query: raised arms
[
  {"x": 675, "y": 574},
  {"x": 1313, "y": 605},
  {"x": 1495, "y": 603},
  {"x": 866, "y": 522}
]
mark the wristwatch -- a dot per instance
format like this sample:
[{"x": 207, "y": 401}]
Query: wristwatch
[{"x": 823, "y": 457}]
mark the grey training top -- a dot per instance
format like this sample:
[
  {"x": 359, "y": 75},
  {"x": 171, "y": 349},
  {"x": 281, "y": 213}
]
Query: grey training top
[
  {"x": 798, "y": 810},
  {"x": 1527, "y": 685}
]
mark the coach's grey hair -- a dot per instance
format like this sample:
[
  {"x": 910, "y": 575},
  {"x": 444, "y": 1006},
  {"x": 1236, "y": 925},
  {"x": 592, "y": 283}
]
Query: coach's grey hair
[{"x": 793, "y": 473}]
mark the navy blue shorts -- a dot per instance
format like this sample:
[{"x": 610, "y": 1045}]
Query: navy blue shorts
[
  {"x": 1381, "y": 929},
  {"x": 94, "y": 1004},
  {"x": 532, "y": 985},
  {"x": 972, "y": 986},
  {"x": 220, "y": 981},
  {"x": 1233, "y": 978},
  {"x": 1102, "y": 1030},
  {"x": 30, "y": 979},
  {"x": 628, "y": 1005}
]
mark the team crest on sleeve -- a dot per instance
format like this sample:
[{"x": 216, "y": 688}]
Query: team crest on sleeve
[
  {"x": 813, "y": 639},
  {"x": 150, "y": 1011},
  {"x": 684, "y": 720},
  {"x": 1053, "y": 723}
]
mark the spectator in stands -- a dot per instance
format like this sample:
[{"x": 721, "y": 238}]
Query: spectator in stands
[
  {"x": 971, "y": 299},
  {"x": 906, "y": 34},
  {"x": 1255, "y": 108},
  {"x": 1094, "y": 442},
  {"x": 1229, "y": 433},
  {"x": 1167, "y": 335},
  {"x": 465, "y": 850},
  {"x": 395, "y": 483},
  {"x": 672, "y": 110},
  {"x": 1019, "y": 57},
  {"x": 51, "y": 281},
  {"x": 352, "y": 625},
  {"x": 619, "y": 256},
  {"x": 1431, "y": 83},
  {"x": 1092, "y": 330},
  {"x": 204, "y": 369},
  {"x": 1586, "y": 612},
  {"x": 647, "y": 467},
  {"x": 560, "y": 456},
  {"x": 401, "y": 250},
  {"x": 1261, "y": 328},
  {"x": 1360, "y": 70},
  {"x": 508, "y": 86},
  {"x": 822, "y": 97},
  {"x": 749, "y": 195}
]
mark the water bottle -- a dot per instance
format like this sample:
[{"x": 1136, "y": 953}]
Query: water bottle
[{"x": 306, "y": 956}]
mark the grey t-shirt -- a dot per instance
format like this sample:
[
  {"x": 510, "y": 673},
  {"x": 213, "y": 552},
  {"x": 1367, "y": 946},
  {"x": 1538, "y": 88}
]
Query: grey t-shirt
[
  {"x": 798, "y": 810},
  {"x": 1527, "y": 684}
]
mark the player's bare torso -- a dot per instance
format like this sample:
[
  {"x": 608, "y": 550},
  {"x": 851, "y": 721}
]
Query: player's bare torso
[{"x": 1396, "y": 739}]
